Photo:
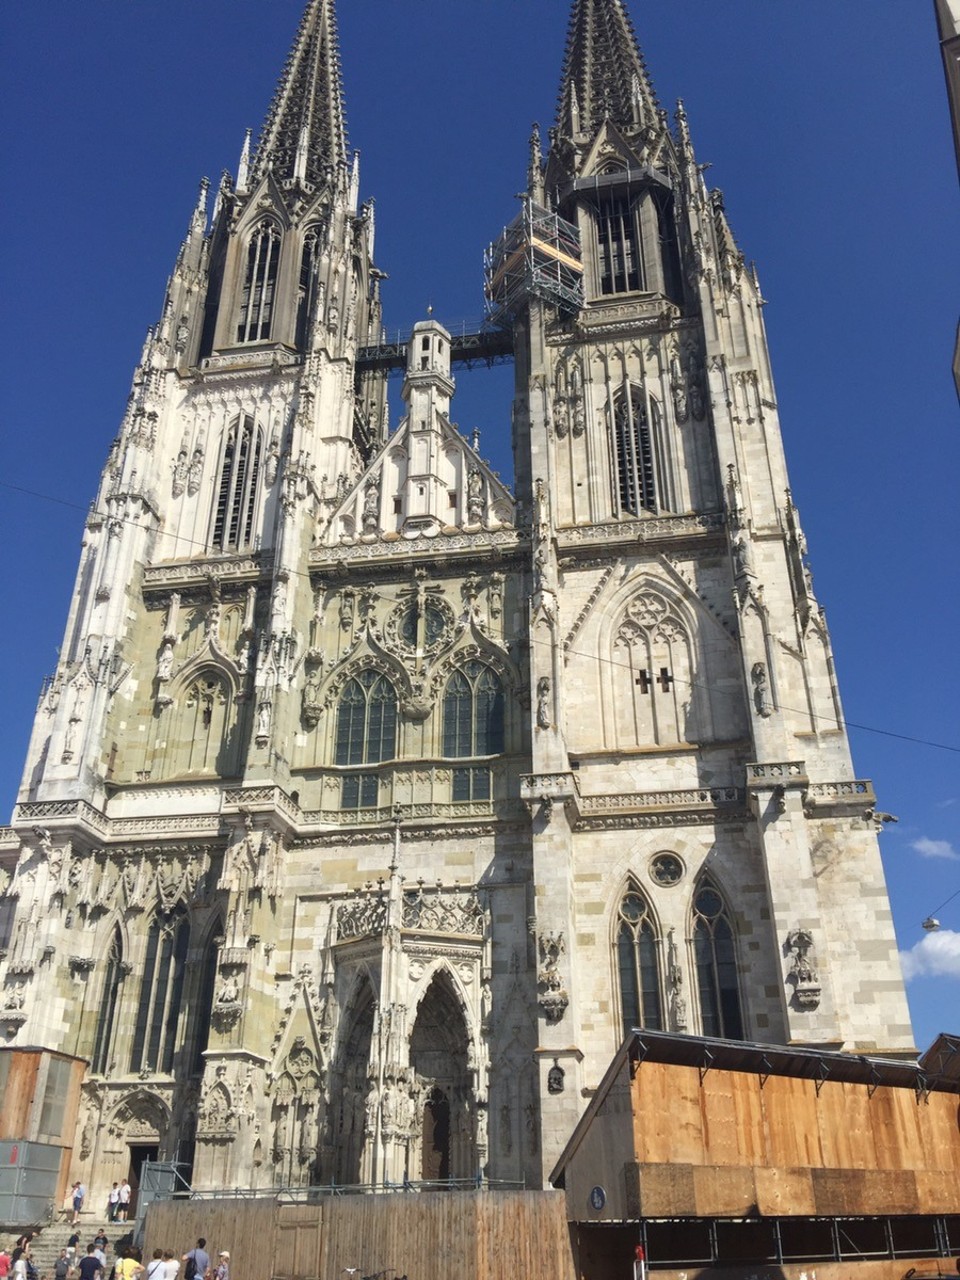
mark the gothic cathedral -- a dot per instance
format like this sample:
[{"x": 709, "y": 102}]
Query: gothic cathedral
[{"x": 373, "y": 801}]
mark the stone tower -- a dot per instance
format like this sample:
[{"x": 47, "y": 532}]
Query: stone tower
[{"x": 370, "y": 802}]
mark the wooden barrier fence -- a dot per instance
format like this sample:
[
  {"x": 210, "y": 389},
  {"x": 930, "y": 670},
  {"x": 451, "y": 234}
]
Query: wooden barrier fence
[{"x": 468, "y": 1235}]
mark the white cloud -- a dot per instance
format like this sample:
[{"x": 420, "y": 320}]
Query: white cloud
[
  {"x": 936, "y": 955},
  {"x": 934, "y": 848}
]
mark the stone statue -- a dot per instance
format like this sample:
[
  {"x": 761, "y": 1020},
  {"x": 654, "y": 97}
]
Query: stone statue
[
  {"x": 475, "y": 496},
  {"x": 543, "y": 703}
]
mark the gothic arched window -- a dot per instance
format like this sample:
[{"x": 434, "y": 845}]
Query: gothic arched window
[
  {"x": 366, "y": 734},
  {"x": 237, "y": 493},
  {"x": 620, "y": 266},
  {"x": 204, "y": 1005},
  {"x": 259, "y": 284},
  {"x": 161, "y": 992},
  {"x": 307, "y": 291},
  {"x": 473, "y": 712},
  {"x": 716, "y": 959},
  {"x": 107, "y": 1013},
  {"x": 472, "y": 726},
  {"x": 638, "y": 963},
  {"x": 642, "y": 473}
]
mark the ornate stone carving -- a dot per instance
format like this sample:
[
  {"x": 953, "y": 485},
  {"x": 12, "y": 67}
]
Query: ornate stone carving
[
  {"x": 443, "y": 912},
  {"x": 553, "y": 999},
  {"x": 803, "y": 974},
  {"x": 362, "y": 916}
]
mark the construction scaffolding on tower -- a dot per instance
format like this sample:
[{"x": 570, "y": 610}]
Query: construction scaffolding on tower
[{"x": 537, "y": 255}]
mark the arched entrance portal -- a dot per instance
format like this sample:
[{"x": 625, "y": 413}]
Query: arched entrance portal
[
  {"x": 435, "y": 1152},
  {"x": 438, "y": 1056},
  {"x": 353, "y": 1088}
]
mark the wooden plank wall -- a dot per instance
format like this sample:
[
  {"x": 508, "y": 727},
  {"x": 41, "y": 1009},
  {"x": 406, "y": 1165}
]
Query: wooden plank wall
[
  {"x": 731, "y": 1118},
  {"x": 470, "y": 1235}
]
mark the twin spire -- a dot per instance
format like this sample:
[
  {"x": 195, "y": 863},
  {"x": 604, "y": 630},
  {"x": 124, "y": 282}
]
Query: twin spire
[
  {"x": 305, "y": 132},
  {"x": 304, "y": 135},
  {"x": 604, "y": 77}
]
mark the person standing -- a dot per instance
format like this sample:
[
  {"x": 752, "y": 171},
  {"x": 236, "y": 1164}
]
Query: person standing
[
  {"x": 171, "y": 1265},
  {"x": 113, "y": 1201},
  {"x": 5, "y": 1263},
  {"x": 62, "y": 1268},
  {"x": 196, "y": 1262},
  {"x": 90, "y": 1268},
  {"x": 77, "y": 1196},
  {"x": 154, "y": 1268},
  {"x": 123, "y": 1200},
  {"x": 128, "y": 1268},
  {"x": 223, "y": 1267}
]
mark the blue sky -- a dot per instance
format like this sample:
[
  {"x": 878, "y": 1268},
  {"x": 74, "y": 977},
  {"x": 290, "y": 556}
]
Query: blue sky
[{"x": 825, "y": 125}]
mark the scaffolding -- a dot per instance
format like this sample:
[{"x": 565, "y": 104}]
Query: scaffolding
[{"x": 537, "y": 255}]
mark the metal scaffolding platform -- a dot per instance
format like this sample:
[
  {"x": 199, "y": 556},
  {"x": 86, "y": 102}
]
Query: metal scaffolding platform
[
  {"x": 537, "y": 255},
  {"x": 482, "y": 346}
]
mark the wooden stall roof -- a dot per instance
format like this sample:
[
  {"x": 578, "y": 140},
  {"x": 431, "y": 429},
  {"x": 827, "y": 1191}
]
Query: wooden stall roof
[
  {"x": 938, "y": 1071},
  {"x": 943, "y": 1057}
]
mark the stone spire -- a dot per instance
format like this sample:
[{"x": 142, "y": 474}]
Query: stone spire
[
  {"x": 604, "y": 77},
  {"x": 305, "y": 130}
]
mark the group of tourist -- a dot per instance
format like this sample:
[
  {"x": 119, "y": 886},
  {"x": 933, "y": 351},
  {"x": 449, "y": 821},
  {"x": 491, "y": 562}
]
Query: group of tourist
[
  {"x": 118, "y": 1201},
  {"x": 129, "y": 1264},
  {"x": 18, "y": 1265}
]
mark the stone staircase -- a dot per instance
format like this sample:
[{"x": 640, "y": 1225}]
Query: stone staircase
[{"x": 45, "y": 1249}]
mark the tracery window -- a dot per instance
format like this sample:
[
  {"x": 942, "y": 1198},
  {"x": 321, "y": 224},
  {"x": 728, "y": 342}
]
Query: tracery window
[
  {"x": 473, "y": 712},
  {"x": 641, "y": 463},
  {"x": 260, "y": 282},
  {"x": 638, "y": 963},
  {"x": 366, "y": 734},
  {"x": 237, "y": 493},
  {"x": 716, "y": 960},
  {"x": 472, "y": 725},
  {"x": 109, "y": 999},
  {"x": 161, "y": 992}
]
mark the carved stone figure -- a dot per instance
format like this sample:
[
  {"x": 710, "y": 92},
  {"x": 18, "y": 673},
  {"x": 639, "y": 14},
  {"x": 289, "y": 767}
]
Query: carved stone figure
[
  {"x": 311, "y": 704},
  {"x": 761, "y": 689},
  {"x": 543, "y": 703},
  {"x": 475, "y": 496},
  {"x": 371, "y": 507}
]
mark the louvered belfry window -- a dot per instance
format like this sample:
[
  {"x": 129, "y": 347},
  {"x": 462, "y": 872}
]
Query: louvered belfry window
[
  {"x": 237, "y": 494},
  {"x": 642, "y": 473},
  {"x": 259, "y": 285},
  {"x": 106, "y": 1016},
  {"x": 619, "y": 245}
]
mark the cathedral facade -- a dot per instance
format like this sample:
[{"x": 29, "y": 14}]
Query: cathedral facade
[{"x": 373, "y": 802}]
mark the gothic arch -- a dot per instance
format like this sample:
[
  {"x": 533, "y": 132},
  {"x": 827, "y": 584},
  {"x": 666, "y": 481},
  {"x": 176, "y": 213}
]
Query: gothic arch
[
  {"x": 258, "y": 279},
  {"x": 350, "y": 1086},
  {"x": 441, "y": 1060},
  {"x": 139, "y": 1114},
  {"x": 652, "y": 673},
  {"x": 109, "y": 999},
  {"x": 202, "y": 731},
  {"x": 238, "y": 488},
  {"x": 481, "y": 649},
  {"x": 636, "y": 948},
  {"x": 714, "y": 960},
  {"x": 441, "y": 969}
]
